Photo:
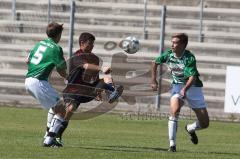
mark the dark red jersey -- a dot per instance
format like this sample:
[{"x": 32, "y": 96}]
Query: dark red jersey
[{"x": 79, "y": 75}]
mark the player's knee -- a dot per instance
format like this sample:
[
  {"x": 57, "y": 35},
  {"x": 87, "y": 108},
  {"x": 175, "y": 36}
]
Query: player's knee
[
  {"x": 178, "y": 96},
  {"x": 177, "y": 100},
  {"x": 59, "y": 108},
  {"x": 175, "y": 110}
]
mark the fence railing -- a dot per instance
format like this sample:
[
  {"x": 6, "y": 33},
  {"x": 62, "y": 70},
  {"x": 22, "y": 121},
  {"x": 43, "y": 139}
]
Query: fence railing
[{"x": 145, "y": 3}]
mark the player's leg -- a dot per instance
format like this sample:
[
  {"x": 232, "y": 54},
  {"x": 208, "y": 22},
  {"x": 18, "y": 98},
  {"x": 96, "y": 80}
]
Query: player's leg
[
  {"x": 57, "y": 122},
  {"x": 201, "y": 123},
  {"x": 72, "y": 103},
  {"x": 203, "y": 120},
  {"x": 175, "y": 106},
  {"x": 108, "y": 79},
  {"x": 196, "y": 101},
  {"x": 64, "y": 125},
  {"x": 48, "y": 98},
  {"x": 49, "y": 120},
  {"x": 114, "y": 92},
  {"x": 71, "y": 107}
]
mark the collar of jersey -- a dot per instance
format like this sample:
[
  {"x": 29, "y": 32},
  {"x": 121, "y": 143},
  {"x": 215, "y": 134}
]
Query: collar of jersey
[
  {"x": 174, "y": 54},
  {"x": 50, "y": 39}
]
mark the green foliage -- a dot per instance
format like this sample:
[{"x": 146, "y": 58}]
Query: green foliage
[{"x": 110, "y": 136}]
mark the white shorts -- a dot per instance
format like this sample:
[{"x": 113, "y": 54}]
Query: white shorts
[
  {"x": 42, "y": 91},
  {"x": 194, "y": 95}
]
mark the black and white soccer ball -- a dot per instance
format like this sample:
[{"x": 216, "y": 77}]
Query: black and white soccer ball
[{"x": 130, "y": 45}]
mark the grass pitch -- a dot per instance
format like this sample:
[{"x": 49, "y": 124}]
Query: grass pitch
[{"x": 109, "y": 136}]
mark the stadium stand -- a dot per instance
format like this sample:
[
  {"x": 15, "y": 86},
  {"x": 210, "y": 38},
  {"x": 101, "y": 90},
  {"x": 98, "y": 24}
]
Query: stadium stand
[{"x": 112, "y": 21}]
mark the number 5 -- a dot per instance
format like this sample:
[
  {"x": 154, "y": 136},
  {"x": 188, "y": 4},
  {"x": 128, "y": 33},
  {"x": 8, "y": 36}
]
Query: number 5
[{"x": 38, "y": 55}]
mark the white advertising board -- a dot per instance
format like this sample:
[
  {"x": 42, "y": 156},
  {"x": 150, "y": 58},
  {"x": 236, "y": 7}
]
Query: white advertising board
[{"x": 232, "y": 91}]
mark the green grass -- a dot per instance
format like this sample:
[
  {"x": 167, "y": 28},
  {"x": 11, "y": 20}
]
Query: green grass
[{"x": 109, "y": 136}]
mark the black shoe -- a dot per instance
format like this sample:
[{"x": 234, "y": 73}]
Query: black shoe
[
  {"x": 172, "y": 149},
  {"x": 115, "y": 94},
  {"x": 193, "y": 135},
  {"x": 54, "y": 144}
]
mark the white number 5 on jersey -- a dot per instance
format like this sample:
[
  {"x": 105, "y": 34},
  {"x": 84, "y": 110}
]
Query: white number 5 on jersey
[{"x": 38, "y": 55}]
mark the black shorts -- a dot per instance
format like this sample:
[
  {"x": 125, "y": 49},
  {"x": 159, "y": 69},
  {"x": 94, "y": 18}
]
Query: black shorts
[
  {"x": 71, "y": 92},
  {"x": 76, "y": 99}
]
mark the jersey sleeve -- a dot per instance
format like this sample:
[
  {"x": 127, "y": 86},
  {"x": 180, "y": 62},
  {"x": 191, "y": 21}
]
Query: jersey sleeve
[
  {"x": 191, "y": 68},
  {"x": 162, "y": 58}
]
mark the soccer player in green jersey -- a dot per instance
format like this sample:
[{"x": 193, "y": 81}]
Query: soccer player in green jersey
[
  {"x": 186, "y": 85},
  {"x": 42, "y": 59}
]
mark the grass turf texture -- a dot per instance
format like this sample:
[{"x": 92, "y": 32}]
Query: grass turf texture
[{"x": 109, "y": 136}]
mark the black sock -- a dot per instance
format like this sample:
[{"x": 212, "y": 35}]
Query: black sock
[{"x": 62, "y": 129}]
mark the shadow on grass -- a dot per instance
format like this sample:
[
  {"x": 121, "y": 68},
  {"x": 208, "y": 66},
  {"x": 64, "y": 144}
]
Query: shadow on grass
[
  {"x": 213, "y": 153},
  {"x": 139, "y": 148},
  {"x": 121, "y": 148},
  {"x": 147, "y": 149}
]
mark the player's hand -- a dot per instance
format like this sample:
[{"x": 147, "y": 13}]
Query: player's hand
[
  {"x": 154, "y": 85},
  {"x": 106, "y": 70},
  {"x": 183, "y": 93},
  {"x": 66, "y": 81}
]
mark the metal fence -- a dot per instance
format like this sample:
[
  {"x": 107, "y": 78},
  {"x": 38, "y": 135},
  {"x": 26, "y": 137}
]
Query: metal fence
[{"x": 145, "y": 32}]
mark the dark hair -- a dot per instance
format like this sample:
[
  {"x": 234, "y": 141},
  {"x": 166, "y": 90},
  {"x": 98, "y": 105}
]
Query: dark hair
[
  {"x": 86, "y": 37},
  {"x": 54, "y": 29},
  {"x": 182, "y": 37}
]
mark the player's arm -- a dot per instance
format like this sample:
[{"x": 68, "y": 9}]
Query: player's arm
[
  {"x": 88, "y": 66},
  {"x": 190, "y": 72},
  {"x": 154, "y": 83},
  {"x": 27, "y": 59},
  {"x": 159, "y": 60},
  {"x": 188, "y": 84},
  {"x": 60, "y": 63},
  {"x": 62, "y": 68}
]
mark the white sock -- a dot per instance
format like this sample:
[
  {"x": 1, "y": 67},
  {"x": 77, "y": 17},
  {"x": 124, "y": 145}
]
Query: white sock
[
  {"x": 49, "y": 120},
  {"x": 55, "y": 126},
  {"x": 50, "y": 117},
  {"x": 172, "y": 130},
  {"x": 193, "y": 127}
]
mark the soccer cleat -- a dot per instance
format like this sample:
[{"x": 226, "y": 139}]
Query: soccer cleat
[
  {"x": 59, "y": 140},
  {"x": 115, "y": 94},
  {"x": 54, "y": 144},
  {"x": 193, "y": 135},
  {"x": 172, "y": 149}
]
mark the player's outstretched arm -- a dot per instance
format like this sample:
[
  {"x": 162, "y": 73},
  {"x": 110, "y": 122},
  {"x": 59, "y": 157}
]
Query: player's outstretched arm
[{"x": 105, "y": 70}]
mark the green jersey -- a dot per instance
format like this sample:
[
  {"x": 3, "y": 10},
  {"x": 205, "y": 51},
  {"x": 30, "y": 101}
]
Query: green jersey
[
  {"x": 43, "y": 58},
  {"x": 181, "y": 67}
]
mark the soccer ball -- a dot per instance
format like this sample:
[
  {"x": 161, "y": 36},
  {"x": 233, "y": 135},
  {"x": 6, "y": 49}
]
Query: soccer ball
[{"x": 130, "y": 45}]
